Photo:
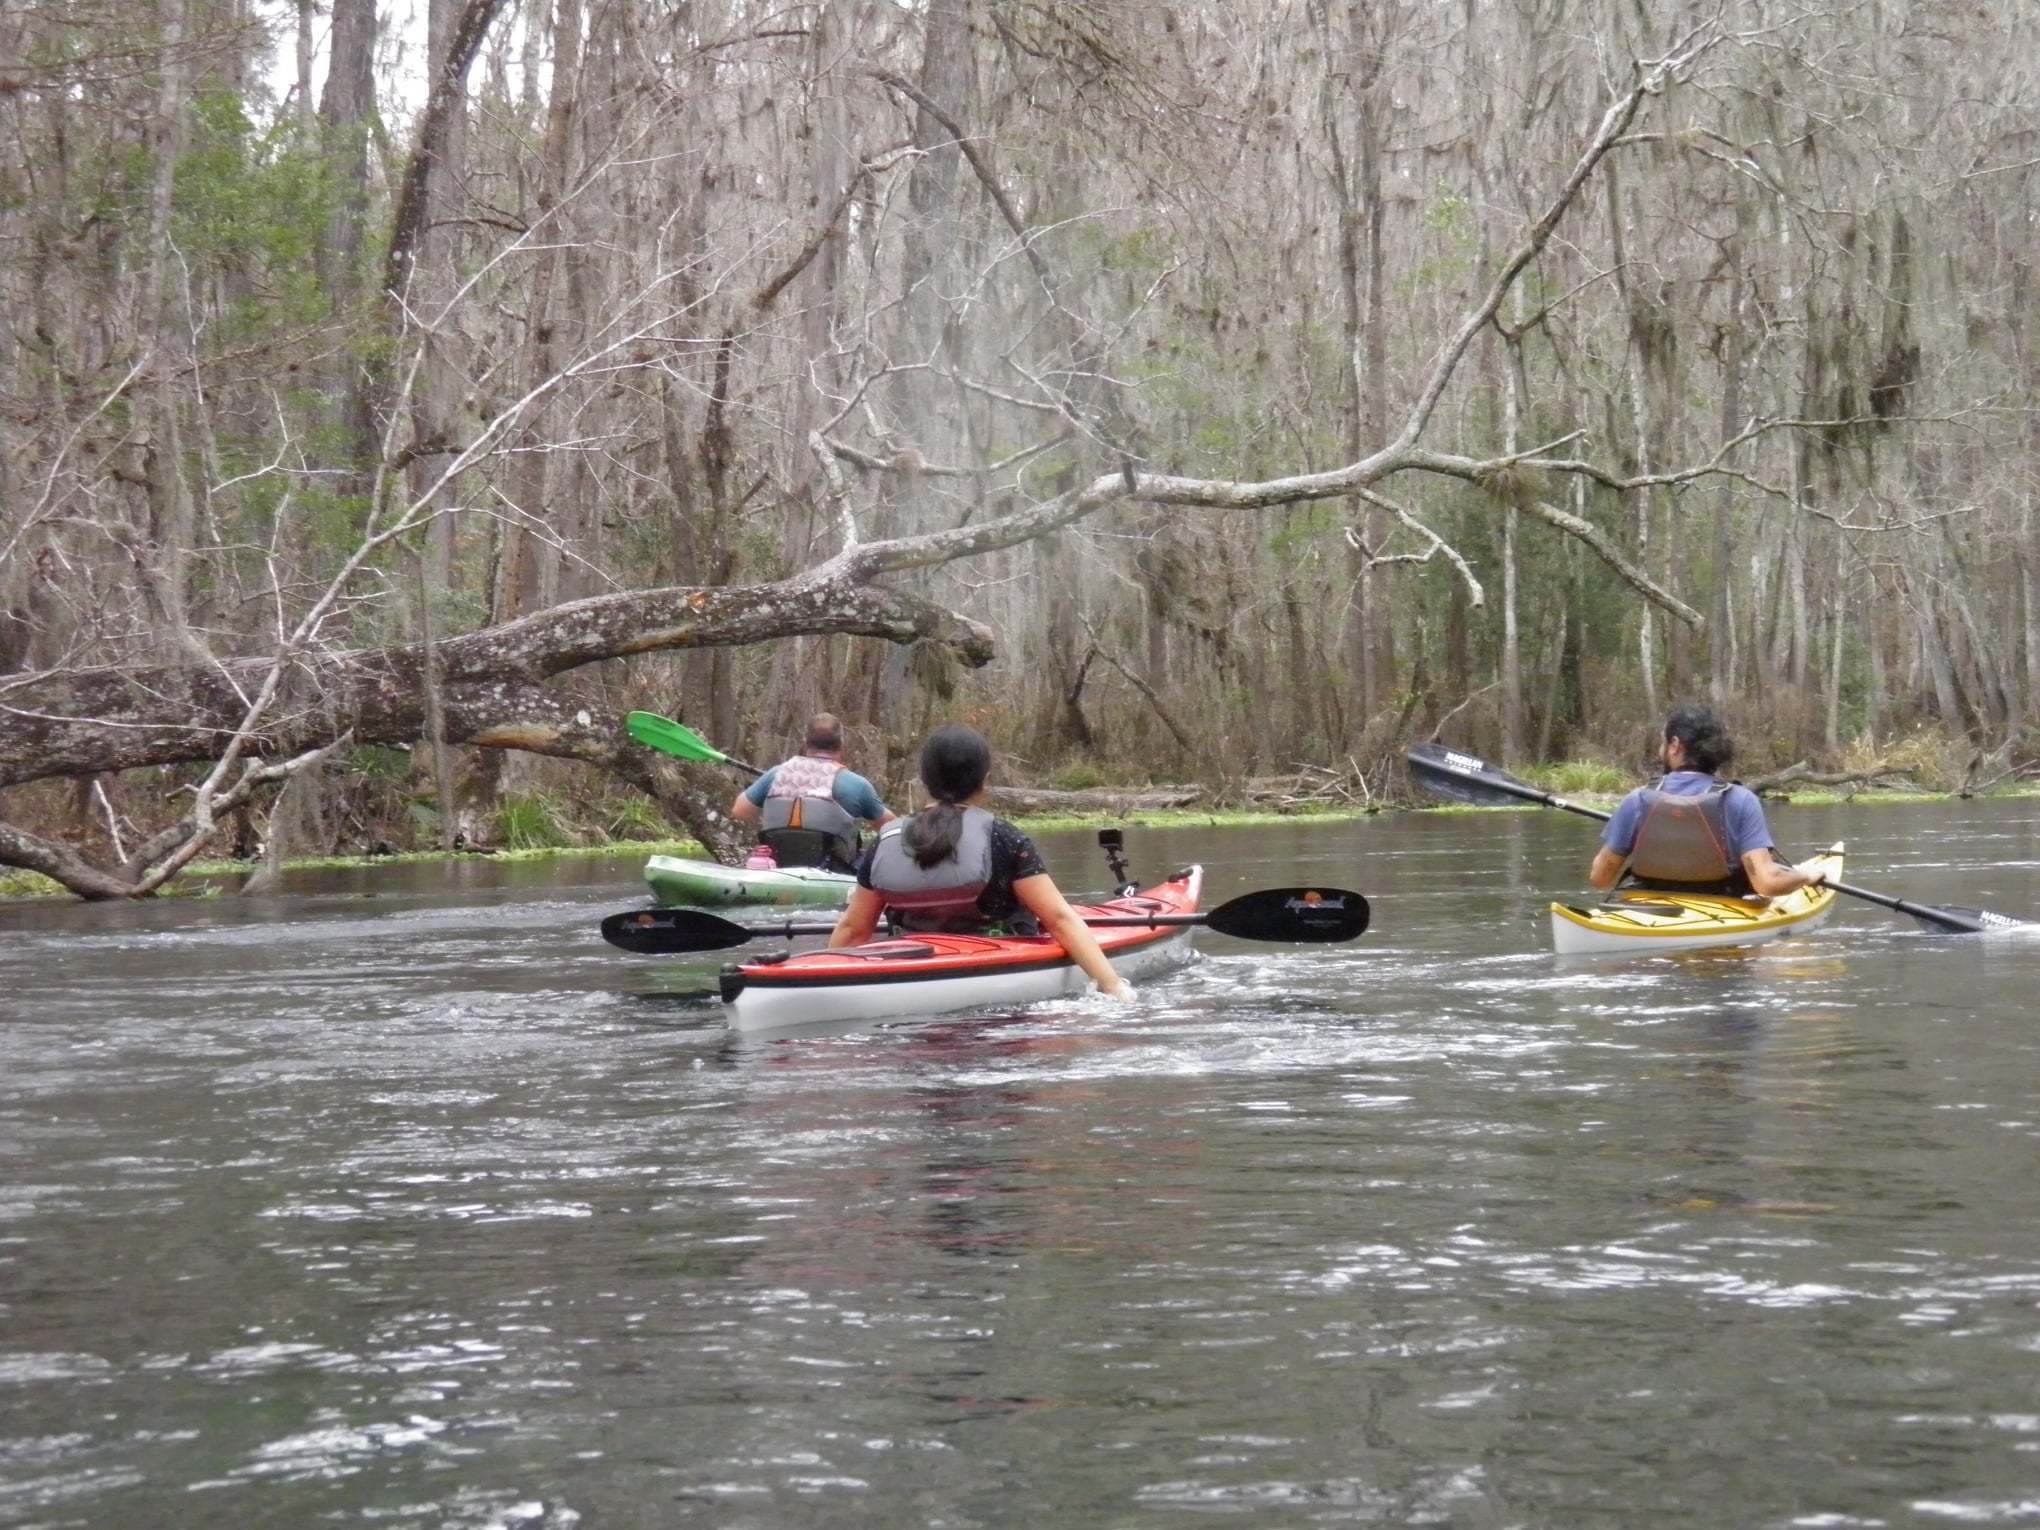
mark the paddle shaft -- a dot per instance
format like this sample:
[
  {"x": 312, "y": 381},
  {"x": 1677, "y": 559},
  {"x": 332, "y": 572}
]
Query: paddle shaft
[
  {"x": 1546, "y": 799},
  {"x": 1299, "y": 914},
  {"x": 791, "y": 929},
  {"x": 1486, "y": 777}
]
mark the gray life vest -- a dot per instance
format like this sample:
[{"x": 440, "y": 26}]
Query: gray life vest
[
  {"x": 802, "y": 820},
  {"x": 943, "y": 896},
  {"x": 1684, "y": 840}
]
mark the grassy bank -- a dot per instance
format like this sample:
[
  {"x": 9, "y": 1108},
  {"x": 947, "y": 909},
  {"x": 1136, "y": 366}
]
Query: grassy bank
[
  {"x": 205, "y": 879},
  {"x": 1590, "y": 784}
]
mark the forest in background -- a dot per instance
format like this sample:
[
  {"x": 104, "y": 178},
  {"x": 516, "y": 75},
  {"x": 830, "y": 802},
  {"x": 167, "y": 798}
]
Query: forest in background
[{"x": 1181, "y": 392}]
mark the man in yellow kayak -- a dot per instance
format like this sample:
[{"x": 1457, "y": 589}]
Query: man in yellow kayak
[
  {"x": 807, "y": 808},
  {"x": 1690, "y": 831}
]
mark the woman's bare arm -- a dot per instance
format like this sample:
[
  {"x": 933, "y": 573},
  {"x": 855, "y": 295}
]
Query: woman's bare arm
[
  {"x": 1044, "y": 900},
  {"x": 859, "y": 920}
]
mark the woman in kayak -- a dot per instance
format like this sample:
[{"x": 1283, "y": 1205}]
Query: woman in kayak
[
  {"x": 1690, "y": 831},
  {"x": 954, "y": 867}
]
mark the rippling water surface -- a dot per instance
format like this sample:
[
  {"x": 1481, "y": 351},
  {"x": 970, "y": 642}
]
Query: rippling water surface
[{"x": 403, "y": 1201}]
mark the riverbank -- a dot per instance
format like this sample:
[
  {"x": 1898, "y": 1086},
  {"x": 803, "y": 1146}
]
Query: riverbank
[{"x": 207, "y": 879}]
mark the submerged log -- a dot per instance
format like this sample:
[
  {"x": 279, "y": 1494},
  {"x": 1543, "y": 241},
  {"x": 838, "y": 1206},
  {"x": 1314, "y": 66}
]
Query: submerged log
[
  {"x": 1892, "y": 777},
  {"x": 1101, "y": 799}
]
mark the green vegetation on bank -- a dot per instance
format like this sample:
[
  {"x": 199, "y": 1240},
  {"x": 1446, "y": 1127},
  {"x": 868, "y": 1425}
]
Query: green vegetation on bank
[
  {"x": 28, "y": 884},
  {"x": 204, "y": 878},
  {"x": 687, "y": 847},
  {"x": 1186, "y": 818},
  {"x": 1591, "y": 783}
]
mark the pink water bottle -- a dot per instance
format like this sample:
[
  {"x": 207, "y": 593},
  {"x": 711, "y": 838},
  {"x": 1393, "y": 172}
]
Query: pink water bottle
[{"x": 762, "y": 859}]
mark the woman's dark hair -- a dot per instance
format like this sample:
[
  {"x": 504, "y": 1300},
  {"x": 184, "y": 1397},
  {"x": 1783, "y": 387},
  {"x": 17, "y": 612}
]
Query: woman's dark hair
[
  {"x": 1708, "y": 746},
  {"x": 954, "y": 764}
]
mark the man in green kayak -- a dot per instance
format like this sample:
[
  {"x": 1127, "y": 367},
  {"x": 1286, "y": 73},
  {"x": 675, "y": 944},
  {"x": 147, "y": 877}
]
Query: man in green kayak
[
  {"x": 808, "y": 807},
  {"x": 1690, "y": 831}
]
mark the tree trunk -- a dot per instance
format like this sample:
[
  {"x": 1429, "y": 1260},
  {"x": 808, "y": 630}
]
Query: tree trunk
[
  {"x": 344, "y": 112},
  {"x": 307, "y": 30},
  {"x": 1838, "y": 632},
  {"x": 2029, "y": 593},
  {"x": 1514, "y": 386},
  {"x": 1720, "y": 621},
  {"x": 517, "y": 569}
]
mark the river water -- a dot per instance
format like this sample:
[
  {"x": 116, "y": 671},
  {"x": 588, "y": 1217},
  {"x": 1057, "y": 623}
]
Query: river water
[{"x": 401, "y": 1200}]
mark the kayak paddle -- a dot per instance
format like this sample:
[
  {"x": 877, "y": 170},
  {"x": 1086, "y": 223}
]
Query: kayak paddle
[
  {"x": 680, "y": 741},
  {"x": 1461, "y": 778},
  {"x": 1316, "y": 914}
]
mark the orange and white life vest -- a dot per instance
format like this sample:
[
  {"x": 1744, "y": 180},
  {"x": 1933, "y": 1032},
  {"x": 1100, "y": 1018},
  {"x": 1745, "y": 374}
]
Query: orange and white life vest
[{"x": 802, "y": 820}]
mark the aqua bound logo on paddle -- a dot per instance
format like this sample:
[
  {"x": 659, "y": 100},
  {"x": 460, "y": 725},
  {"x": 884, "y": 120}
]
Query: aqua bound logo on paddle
[
  {"x": 1316, "y": 903},
  {"x": 1463, "y": 761}
]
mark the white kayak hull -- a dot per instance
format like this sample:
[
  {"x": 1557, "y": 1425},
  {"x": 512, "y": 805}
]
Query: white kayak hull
[{"x": 757, "y": 1009}]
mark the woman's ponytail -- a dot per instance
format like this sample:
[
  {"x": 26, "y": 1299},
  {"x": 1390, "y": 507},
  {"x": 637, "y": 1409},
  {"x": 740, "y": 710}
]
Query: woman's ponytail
[
  {"x": 954, "y": 763},
  {"x": 931, "y": 836}
]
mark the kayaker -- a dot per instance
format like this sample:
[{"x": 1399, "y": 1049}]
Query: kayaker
[
  {"x": 954, "y": 866},
  {"x": 808, "y": 807},
  {"x": 1690, "y": 831}
]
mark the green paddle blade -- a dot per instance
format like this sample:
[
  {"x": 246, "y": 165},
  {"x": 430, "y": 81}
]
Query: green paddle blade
[
  {"x": 1302, "y": 914},
  {"x": 678, "y": 740}
]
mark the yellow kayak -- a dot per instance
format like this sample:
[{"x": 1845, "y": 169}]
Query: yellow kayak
[{"x": 1640, "y": 921}]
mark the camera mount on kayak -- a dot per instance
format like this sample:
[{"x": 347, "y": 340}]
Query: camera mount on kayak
[{"x": 1113, "y": 843}]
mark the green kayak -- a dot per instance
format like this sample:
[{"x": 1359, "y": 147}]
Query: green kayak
[{"x": 709, "y": 884}]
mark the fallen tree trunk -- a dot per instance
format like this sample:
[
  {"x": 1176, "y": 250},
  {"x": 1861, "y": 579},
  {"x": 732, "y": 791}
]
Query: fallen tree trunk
[
  {"x": 493, "y": 694},
  {"x": 1802, "y": 774},
  {"x": 1106, "y": 799},
  {"x": 84, "y": 721}
]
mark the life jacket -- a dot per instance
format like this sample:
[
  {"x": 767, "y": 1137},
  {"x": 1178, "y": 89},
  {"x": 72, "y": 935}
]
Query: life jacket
[
  {"x": 1682, "y": 842},
  {"x": 802, "y": 820},
  {"x": 943, "y": 896}
]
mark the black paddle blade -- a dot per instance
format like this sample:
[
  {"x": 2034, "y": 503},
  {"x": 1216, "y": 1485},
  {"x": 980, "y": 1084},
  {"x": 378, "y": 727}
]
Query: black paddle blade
[
  {"x": 1318, "y": 914},
  {"x": 1461, "y": 778},
  {"x": 677, "y": 931},
  {"x": 1947, "y": 920}
]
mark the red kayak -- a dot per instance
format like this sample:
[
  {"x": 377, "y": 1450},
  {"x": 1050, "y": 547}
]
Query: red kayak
[{"x": 931, "y": 974}]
